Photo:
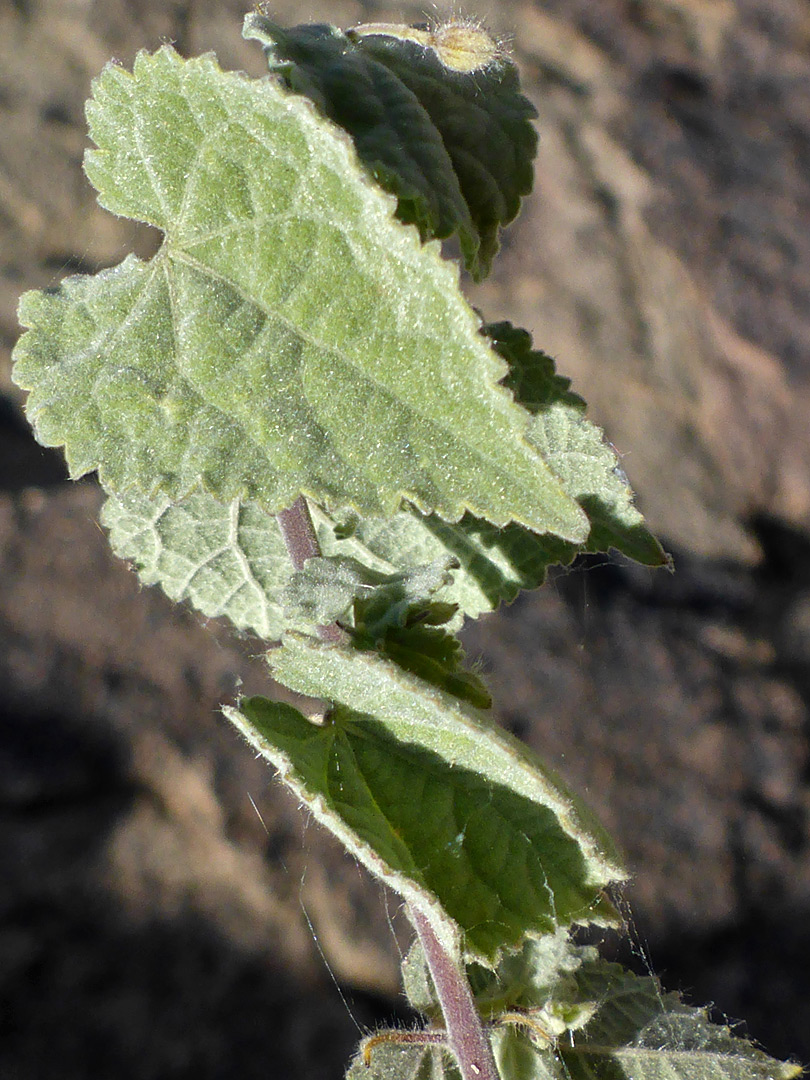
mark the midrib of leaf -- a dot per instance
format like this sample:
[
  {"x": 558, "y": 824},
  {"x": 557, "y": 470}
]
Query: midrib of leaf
[
  {"x": 180, "y": 253},
  {"x": 224, "y": 232},
  {"x": 362, "y": 373},
  {"x": 159, "y": 192},
  {"x": 205, "y": 142},
  {"x": 456, "y": 440},
  {"x": 207, "y": 561},
  {"x": 182, "y": 256}
]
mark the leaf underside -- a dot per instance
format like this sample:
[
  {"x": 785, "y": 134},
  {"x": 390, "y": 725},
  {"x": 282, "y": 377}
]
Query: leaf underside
[{"x": 225, "y": 559}]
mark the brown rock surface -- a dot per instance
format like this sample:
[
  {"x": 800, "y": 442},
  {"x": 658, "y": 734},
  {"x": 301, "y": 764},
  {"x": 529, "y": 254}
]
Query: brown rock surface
[{"x": 149, "y": 926}]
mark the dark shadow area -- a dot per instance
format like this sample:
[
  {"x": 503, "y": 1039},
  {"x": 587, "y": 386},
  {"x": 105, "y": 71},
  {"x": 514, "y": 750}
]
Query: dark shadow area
[
  {"x": 755, "y": 969},
  {"x": 23, "y": 462},
  {"x": 88, "y": 990}
]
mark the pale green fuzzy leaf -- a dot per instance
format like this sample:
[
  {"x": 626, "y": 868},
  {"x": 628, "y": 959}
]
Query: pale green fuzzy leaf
[
  {"x": 181, "y": 546},
  {"x": 452, "y": 812},
  {"x": 392, "y": 615},
  {"x": 394, "y": 136},
  {"x": 539, "y": 978},
  {"x": 493, "y": 565},
  {"x": 185, "y": 549},
  {"x": 223, "y": 558},
  {"x": 455, "y": 147},
  {"x": 289, "y": 336},
  {"x": 325, "y": 588},
  {"x": 229, "y": 559}
]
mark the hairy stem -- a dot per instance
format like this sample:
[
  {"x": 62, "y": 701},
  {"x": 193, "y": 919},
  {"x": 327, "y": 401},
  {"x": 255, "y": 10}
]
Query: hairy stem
[
  {"x": 301, "y": 542},
  {"x": 466, "y": 1037}
]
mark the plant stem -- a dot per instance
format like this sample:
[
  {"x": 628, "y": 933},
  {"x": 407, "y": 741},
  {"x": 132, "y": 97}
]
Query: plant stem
[
  {"x": 299, "y": 533},
  {"x": 466, "y": 1037},
  {"x": 301, "y": 542}
]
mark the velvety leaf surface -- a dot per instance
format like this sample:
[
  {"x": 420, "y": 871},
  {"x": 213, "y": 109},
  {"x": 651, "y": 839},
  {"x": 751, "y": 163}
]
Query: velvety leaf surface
[
  {"x": 538, "y": 979},
  {"x": 223, "y": 558},
  {"x": 482, "y": 565},
  {"x": 229, "y": 559},
  {"x": 448, "y": 809},
  {"x": 394, "y": 136},
  {"x": 392, "y": 615},
  {"x": 390, "y": 1061},
  {"x": 495, "y": 564},
  {"x": 636, "y": 1033},
  {"x": 485, "y": 124},
  {"x": 289, "y": 336},
  {"x": 326, "y": 588}
]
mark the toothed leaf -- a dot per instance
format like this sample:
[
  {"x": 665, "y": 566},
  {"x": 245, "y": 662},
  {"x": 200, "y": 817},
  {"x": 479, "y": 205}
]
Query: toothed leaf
[
  {"x": 289, "y": 336},
  {"x": 636, "y": 1031},
  {"x": 575, "y": 448},
  {"x": 449, "y": 810}
]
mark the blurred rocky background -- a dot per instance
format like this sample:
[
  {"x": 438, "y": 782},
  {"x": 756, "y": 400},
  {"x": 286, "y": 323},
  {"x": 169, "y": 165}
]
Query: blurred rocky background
[{"x": 165, "y": 909}]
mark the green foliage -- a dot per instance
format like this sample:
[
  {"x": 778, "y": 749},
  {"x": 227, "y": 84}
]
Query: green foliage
[
  {"x": 190, "y": 547},
  {"x": 461, "y": 816},
  {"x": 296, "y": 335},
  {"x": 568, "y": 1015},
  {"x": 389, "y": 614},
  {"x": 225, "y": 559},
  {"x": 456, "y": 151},
  {"x": 575, "y": 448}
]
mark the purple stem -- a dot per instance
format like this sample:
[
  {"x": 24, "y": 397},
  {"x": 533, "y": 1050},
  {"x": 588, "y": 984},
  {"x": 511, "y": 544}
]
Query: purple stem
[
  {"x": 299, "y": 533},
  {"x": 466, "y": 1037},
  {"x": 301, "y": 542}
]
